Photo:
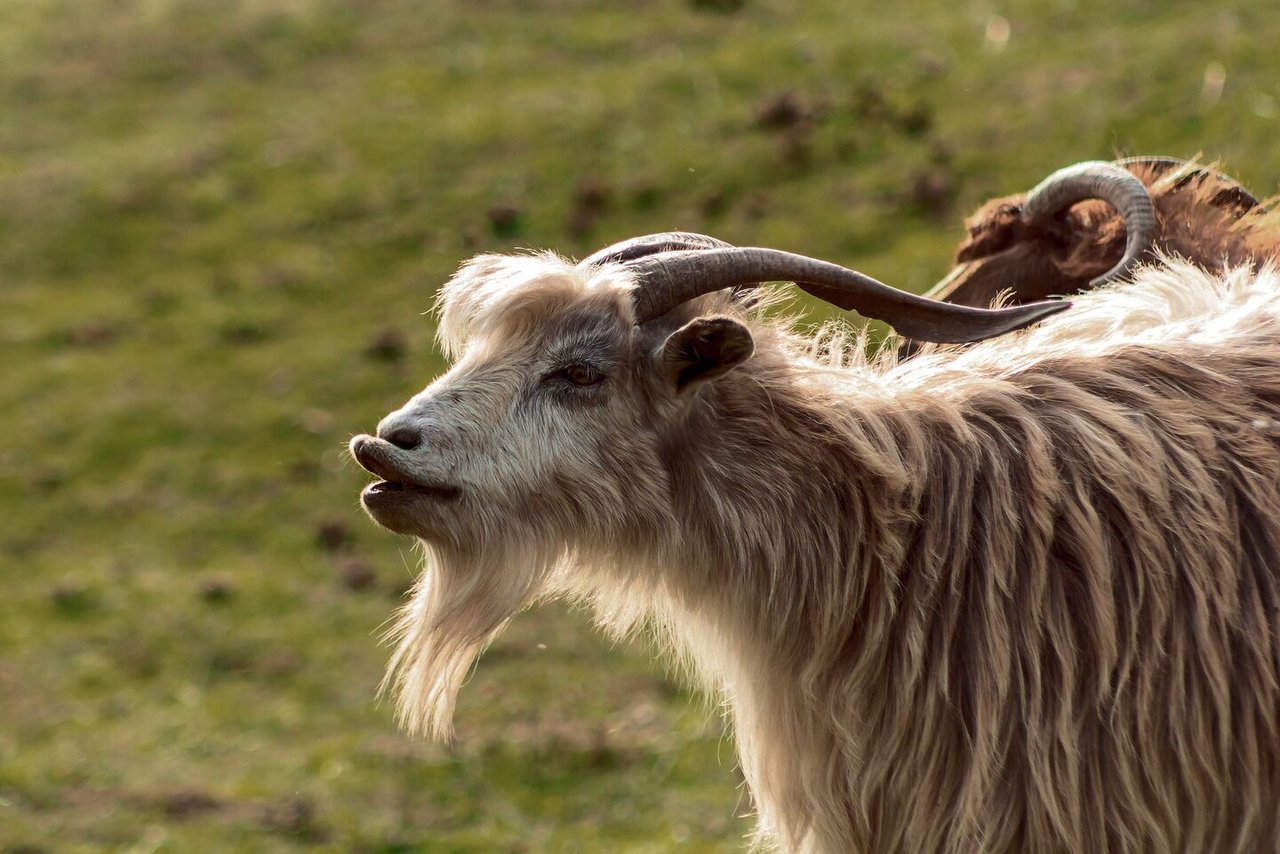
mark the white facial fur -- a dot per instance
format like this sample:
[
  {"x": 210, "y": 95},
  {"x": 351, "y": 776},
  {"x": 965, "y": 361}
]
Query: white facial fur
[{"x": 542, "y": 441}]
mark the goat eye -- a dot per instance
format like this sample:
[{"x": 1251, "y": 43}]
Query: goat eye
[{"x": 581, "y": 374}]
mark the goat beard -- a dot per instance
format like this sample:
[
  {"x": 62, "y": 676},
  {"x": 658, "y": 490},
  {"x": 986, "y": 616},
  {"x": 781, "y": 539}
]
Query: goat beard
[{"x": 461, "y": 600}]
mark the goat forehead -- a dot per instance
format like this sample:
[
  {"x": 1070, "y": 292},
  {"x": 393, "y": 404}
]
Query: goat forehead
[
  {"x": 500, "y": 359},
  {"x": 582, "y": 327},
  {"x": 565, "y": 309},
  {"x": 519, "y": 293}
]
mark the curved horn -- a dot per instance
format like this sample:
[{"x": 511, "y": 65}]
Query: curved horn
[
  {"x": 1159, "y": 163},
  {"x": 670, "y": 278},
  {"x": 1097, "y": 180},
  {"x": 650, "y": 244},
  {"x": 1231, "y": 193}
]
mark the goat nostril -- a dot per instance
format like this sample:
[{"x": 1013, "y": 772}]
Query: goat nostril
[{"x": 404, "y": 438}]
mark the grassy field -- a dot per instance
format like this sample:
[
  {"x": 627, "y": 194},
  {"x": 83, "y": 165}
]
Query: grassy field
[{"x": 219, "y": 225}]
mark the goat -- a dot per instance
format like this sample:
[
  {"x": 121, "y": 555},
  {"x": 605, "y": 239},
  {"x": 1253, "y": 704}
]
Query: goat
[
  {"x": 1033, "y": 245},
  {"x": 1017, "y": 596}
]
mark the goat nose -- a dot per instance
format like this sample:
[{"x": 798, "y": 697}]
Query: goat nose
[{"x": 404, "y": 438}]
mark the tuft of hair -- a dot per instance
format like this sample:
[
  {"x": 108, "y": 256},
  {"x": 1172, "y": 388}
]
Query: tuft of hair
[
  {"x": 460, "y": 601},
  {"x": 496, "y": 289}
]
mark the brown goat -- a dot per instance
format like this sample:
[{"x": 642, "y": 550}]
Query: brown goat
[{"x": 1201, "y": 215}]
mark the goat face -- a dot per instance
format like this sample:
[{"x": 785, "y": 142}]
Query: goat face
[
  {"x": 549, "y": 423},
  {"x": 540, "y": 445}
]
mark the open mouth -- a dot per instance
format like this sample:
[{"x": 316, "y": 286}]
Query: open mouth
[
  {"x": 392, "y": 489},
  {"x": 378, "y": 457}
]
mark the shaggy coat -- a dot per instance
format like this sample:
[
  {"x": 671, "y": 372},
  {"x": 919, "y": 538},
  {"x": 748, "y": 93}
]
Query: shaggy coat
[
  {"x": 1200, "y": 215},
  {"x": 1017, "y": 596}
]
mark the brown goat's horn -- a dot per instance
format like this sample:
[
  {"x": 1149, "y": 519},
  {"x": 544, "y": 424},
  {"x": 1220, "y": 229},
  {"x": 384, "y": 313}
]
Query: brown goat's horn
[
  {"x": 667, "y": 279},
  {"x": 650, "y": 244},
  {"x": 1231, "y": 193},
  {"x": 1110, "y": 183}
]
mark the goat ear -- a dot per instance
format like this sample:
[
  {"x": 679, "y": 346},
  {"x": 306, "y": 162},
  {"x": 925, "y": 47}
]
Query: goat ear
[{"x": 703, "y": 349}]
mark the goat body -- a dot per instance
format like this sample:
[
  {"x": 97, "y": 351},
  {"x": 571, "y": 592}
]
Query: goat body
[{"x": 1017, "y": 596}]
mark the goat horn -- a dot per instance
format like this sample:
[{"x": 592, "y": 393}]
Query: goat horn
[
  {"x": 1231, "y": 194},
  {"x": 653, "y": 244},
  {"x": 650, "y": 244},
  {"x": 1099, "y": 180},
  {"x": 669, "y": 278}
]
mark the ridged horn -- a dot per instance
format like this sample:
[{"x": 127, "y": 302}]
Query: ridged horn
[
  {"x": 1110, "y": 183},
  {"x": 1231, "y": 193},
  {"x": 651, "y": 244},
  {"x": 667, "y": 279}
]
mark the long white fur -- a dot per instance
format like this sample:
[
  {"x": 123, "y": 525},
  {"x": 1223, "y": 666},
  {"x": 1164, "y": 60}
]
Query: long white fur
[{"x": 627, "y": 543}]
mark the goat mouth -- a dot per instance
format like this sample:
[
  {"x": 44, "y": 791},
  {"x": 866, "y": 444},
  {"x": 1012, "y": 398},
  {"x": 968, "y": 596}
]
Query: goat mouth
[
  {"x": 392, "y": 490},
  {"x": 377, "y": 457}
]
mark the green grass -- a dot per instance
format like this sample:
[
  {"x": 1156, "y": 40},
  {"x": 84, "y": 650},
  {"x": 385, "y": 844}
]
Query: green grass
[{"x": 219, "y": 224}]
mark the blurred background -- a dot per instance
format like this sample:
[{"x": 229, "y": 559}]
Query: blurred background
[{"x": 220, "y": 225}]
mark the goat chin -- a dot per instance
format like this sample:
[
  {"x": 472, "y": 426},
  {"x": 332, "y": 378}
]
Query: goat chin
[{"x": 1014, "y": 596}]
